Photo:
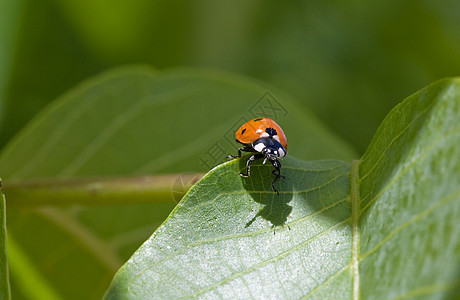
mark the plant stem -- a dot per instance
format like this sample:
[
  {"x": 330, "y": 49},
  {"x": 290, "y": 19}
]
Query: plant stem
[{"x": 99, "y": 191}]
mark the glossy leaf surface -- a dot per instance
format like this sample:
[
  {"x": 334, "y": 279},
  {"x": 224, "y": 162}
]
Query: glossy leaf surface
[{"x": 384, "y": 227}]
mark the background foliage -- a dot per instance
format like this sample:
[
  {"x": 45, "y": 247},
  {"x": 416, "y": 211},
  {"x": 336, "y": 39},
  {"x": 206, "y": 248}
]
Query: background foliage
[{"x": 348, "y": 62}]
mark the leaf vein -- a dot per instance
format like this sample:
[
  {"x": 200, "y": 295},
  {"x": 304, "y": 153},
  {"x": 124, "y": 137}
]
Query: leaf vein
[
  {"x": 414, "y": 220},
  {"x": 268, "y": 261},
  {"x": 419, "y": 158}
]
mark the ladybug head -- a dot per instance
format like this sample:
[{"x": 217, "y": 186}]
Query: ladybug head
[{"x": 270, "y": 153}]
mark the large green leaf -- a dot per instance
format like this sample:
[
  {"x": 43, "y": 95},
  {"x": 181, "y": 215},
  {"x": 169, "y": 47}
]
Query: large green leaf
[
  {"x": 220, "y": 240},
  {"x": 385, "y": 226},
  {"x": 409, "y": 199},
  {"x": 74, "y": 212}
]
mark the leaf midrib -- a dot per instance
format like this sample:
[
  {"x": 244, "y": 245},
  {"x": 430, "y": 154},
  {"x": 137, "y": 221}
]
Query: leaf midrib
[{"x": 355, "y": 213}]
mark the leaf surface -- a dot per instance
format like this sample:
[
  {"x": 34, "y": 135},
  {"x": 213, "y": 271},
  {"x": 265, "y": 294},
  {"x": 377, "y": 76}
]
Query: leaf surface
[
  {"x": 220, "y": 240},
  {"x": 384, "y": 227}
]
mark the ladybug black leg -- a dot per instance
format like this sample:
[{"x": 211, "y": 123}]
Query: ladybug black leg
[
  {"x": 248, "y": 166},
  {"x": 245, "y": 149},
  {"x": 277, "y": 173}
]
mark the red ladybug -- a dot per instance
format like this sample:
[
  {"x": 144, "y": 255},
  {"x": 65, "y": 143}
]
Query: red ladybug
[{"x": 264, "y": 136}]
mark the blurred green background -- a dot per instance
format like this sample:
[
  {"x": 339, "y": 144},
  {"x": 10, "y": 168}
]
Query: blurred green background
[{"x": 348, "y": 61}]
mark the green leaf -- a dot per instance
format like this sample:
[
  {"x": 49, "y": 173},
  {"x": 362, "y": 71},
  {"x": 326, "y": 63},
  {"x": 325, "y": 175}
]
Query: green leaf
[
  {"x": 91, "y": 177},
  {"x": 220, "y": 240},
  {"x": 409, "y": 199},
  {"x": 4, "y": 276},
  {"x": 385, "y": 226}
]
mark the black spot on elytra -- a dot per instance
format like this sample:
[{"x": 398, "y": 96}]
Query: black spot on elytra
[
  {"x": 271, "y": 131},
  {"x": 243, "y": 131},
  {"x": 258, "y": 119}
]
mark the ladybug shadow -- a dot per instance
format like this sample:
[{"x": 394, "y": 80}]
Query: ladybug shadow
[{"x": 276, "y": 208}]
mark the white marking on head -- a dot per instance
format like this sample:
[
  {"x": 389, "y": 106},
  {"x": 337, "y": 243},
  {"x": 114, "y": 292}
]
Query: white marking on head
[
  {"x": 264, "y": 135},
  {"x": 259, "y": 147},
  {"x": 281, "y": 152},
  {"x": 259, "y": 130},
  {"x": 277, "y": 138}
]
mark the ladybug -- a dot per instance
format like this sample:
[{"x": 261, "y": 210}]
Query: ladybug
[{"x": 264, "y": 136}]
